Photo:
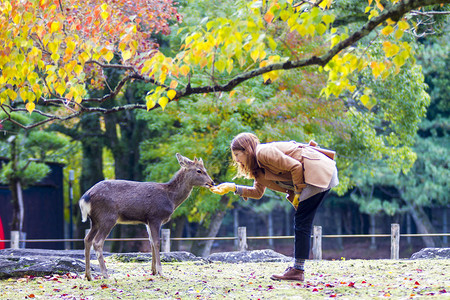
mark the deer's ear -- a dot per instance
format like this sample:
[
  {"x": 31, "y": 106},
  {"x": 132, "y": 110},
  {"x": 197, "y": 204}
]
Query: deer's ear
[{"x": 183, "y": 161}]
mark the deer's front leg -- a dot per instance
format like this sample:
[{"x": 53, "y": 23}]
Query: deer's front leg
[{"x": 153, "y": 231}]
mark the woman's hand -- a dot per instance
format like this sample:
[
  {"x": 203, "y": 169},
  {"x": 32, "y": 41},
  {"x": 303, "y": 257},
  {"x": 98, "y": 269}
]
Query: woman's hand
[
  {"x": 294, "y": 199},
  {"x": 223, "y": 188}
]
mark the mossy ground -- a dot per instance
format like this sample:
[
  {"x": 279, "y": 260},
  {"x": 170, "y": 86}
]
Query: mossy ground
[{"x": 345, "y": 279}]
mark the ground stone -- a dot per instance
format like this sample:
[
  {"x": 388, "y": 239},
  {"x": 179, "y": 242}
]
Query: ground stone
[
  {"x": 426, "y": 253},
  {"x": 15, "y": 266},
  {"x": 266, "y": 255},
  {"x": 176, "y": 256}
]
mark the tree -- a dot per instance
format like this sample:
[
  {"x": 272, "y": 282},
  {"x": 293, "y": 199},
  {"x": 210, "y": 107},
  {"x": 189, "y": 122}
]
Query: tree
[
  {"x": 52, "y": 53},
  {"x": 28, "y": 151}
]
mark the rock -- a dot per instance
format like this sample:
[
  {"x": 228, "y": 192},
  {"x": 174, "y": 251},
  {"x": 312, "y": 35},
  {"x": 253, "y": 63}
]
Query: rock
[
  {"x": 15, "y": 266},
  {"x": 443, "y": 253},
  {"x": 175, "y": 256},
  {"x": 78, "y": 254},
  {"x": 266, "y": 255},
  {"x": 178, "y": 256}
]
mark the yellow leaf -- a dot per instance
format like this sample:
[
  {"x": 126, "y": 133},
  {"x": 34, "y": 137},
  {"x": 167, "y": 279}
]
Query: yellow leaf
[
  {"x": 255, "y": 55},
  {"x": 380, "y": 7},
  {"x": 398, "y": 34},
  {"x": 78, "y": 69},
  {"x": 184, "y": 70},
  {"x": 53, "y": 47},
  {"x": 171, "y": 94},
  {"x": 104, "y": 6},
  {"x": 327, "y": 19},
  {"x": 104, "y": 15},
  {"x": 108, "y": 56},
  {"x": 60, "y": 89},
  {"x": 162, "y": 77},
  {"x": 368, "y": 102},
  {"x": 126, "y": 55},
  {"x": 16, "y": 19},
  {"x": 163, "y": 102},
  {"x": 249, "y": 100},
  {"x": 390, "y": 49},
  {"x": 232, "y": 93},
  {"x": 55, "y": 27},
  {"x": 364, "y": 99},
  {"x": 229, "y": 65},
  {"x": 30, "y": 107},
  {"x": 402, "y": 25},
  {"x": 150, "y": 104},
  {"x": 272, "y": 76},
  {"x": 220, "y": 65},
  {"x": 55, "y": 57},
  {"x": 387, "y": 30},
  {"x": 321, "y": 29}
]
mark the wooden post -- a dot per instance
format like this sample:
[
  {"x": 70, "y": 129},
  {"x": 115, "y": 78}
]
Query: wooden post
[
  {"x": 242, "y": 238},
  {"x": 317, "y": 243},
  {"x": 15, "y": 236},
  {"x": 165, "y": 240},
  {"x": 395, "y": 241}
]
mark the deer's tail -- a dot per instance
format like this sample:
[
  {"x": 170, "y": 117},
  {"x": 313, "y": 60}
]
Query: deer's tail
[{"x": 85, "y": 207}]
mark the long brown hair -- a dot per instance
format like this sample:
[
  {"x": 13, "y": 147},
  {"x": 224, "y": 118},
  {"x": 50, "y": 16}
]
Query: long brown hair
[{"x": 247, "y": 142}]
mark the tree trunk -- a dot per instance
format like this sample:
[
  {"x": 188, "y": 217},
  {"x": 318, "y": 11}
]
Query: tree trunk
[
  {"x": 424, "y": 226},
  {"x": 203, "y": 248},
  {"x": 91, "y": 164},
  {"x": 178, "y": 223},
  {"x": 373, "y": 227},
  {"x": 270, "y": 228},
  {"x": 16, "y": 220}
]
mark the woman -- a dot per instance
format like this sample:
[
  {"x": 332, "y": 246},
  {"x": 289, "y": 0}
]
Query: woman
[{"x": 302, "y": 171}]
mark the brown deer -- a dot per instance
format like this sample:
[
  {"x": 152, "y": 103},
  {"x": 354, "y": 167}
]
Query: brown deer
[{"x": 110, "y": 202}]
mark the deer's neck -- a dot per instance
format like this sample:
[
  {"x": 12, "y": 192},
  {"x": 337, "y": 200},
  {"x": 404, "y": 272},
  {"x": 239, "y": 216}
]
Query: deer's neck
[{"x": 179, "y": 187}]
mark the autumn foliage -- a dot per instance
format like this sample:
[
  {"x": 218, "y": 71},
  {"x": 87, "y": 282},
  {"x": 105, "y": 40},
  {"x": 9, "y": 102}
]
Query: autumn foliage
[
  {"x": 53, "y": 51},
  {"x": 51, "y": 48}
]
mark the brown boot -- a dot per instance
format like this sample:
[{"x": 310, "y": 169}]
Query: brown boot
[{"x": 291, "y": 273}]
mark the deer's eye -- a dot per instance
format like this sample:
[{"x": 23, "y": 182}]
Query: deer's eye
[{"x": 199, "y": 171}]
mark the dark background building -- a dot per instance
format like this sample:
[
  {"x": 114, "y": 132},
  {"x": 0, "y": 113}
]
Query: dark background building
[{"x": 44, "y": 209}]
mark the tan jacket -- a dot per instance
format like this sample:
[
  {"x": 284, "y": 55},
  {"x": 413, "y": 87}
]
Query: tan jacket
[{"x": 289, "y": 162}]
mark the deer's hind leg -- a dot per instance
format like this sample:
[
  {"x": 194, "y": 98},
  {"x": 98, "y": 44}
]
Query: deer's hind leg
[
  {"x": 87, "y": 248},
  {"x": 99, "y": 239},
  {"x": 153, "y": 234}
]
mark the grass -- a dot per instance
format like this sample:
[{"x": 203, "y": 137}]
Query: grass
[{"x": 345, "y": 279}]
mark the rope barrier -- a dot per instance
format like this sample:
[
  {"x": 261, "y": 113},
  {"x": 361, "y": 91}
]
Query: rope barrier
[{"x": 233, "y": 238}]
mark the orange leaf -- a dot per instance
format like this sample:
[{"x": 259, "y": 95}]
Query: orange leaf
[
  {"x": 269, "y": 17},
  {"x": 173, "y": 84}
]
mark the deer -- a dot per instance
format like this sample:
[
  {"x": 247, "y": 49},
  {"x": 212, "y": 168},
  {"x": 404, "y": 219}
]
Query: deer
[{"x": 111, "y": 202}]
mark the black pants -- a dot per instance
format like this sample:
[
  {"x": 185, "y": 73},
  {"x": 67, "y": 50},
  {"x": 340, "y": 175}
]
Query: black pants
[{"x": 303, "y": 219}]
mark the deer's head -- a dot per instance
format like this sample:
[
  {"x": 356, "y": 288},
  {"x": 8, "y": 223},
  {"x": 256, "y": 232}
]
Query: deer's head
[{"x": 195, "y": 171}]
